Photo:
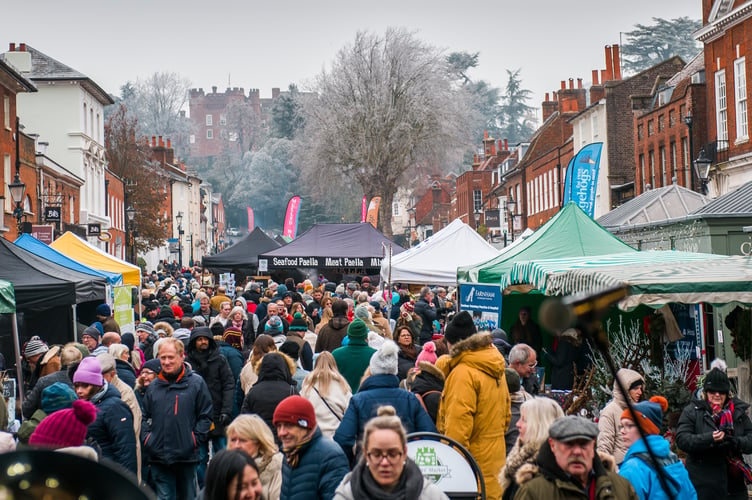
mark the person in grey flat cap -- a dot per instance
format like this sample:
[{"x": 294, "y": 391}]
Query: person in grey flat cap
[{"x": 568, "y": 467}]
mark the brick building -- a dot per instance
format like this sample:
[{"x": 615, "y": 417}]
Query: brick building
[
  {"x": 669, "y": 129},
  {"x": 727, "y": 38},
  {"x": 432, "y": 210},
  {"x": 118, "y": 244}
]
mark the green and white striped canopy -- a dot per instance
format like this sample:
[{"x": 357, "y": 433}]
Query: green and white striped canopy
[
  {"x": 654, "y": 278},
  {"x": 7, "y": 298}
]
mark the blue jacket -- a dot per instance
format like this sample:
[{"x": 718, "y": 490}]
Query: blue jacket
[
  {"x": 113, "y": 428},
  {"x": 321, "y": 467},
  {"x": 644, "y": 477},
  {"x": 176, "y": 417},
  {"x": 375, "y": 391}
]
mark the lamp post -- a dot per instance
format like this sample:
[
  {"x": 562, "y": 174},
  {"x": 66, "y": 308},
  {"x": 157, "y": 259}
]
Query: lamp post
[
  {"x": 688, "y": 120},
  {"x": 702, "y": 168},
  {"x": 214, "y": 235},
  {"x": 130, "y": 214},
  {"x": 190, "y": 238},
  {"x": 511, "y": 207},
  {"x": 17, "y": 191},
  {"x": 179, "y": 220},
  {"x": 476, "y": 216}
]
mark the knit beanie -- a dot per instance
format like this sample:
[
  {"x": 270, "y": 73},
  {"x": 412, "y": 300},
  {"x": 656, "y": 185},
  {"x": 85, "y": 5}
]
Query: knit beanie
[
  {"x": 273, "y": 325},
  {"x": 153, "y": 365},
  {"x": 362, "y": 312},
  {"x": 649, "y": 414},
  {"x": 384, "y": 361},
  {"x": 91, "y": 332},
  {"x": 146, "y": 326},
  {"x": 106, "y": 362},
  {"x": 291, "y": 349},
  {"x": 65, "y": 428},
  {"x": 57, "y": 396},
  {"x": 716, "y": 381},
  {"x": 298, "y": 324},
  {"x": 233, "y": 336},
  {"x": 295, "y": 410},
  {"x": 357, "y": 329},
  {"x": 460, "y": 328},
  {"x": 513, "y": 380},
  {"x": 103, "y": 310},
  {"x": 128, "y": 340},
  {"x": 89, "y": 371},
  {"x": 100, "y": 328},
  {"x": 427, "y": 354},
  {"x": 35, "y": 346}
]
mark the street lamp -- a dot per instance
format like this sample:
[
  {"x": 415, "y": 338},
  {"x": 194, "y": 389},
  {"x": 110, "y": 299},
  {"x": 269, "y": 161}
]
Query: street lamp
[
  {"x": 17, "y": 191},
  {"x": 476, "y": 215},
  {"x": 511, "y": 207},
  {"x": 702, "y": 168},
  {"x": 179, "y": 220},
  {"x": 215, "y": 226},
  {"x": 688, "y": 121},
  {"x": 130, "y": 214}
]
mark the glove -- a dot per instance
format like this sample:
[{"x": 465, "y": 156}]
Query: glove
[{"x": 224, "y": 419}]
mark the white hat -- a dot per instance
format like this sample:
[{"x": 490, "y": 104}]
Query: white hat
[{"x": 384, "y": 361}]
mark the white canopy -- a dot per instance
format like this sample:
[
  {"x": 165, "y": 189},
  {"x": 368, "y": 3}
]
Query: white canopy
[{"x": 434, "y": 261}]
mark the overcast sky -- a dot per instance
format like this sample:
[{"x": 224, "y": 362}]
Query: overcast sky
[{"x": 265, "y": 44}]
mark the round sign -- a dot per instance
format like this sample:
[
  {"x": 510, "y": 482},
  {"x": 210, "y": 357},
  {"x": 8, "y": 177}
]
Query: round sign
[{"x": 104, "y": 236}]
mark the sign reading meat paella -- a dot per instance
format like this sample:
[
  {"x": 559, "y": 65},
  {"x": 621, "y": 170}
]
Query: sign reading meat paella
[{"x": 321, "y": 262}]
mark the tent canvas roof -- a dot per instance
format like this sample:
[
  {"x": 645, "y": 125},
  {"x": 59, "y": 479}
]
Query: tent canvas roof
[
  {"x": 7, "y": 298},
  {"x": 33, "y": 245},
  {"x": 569, "y": 233},
  {"x": 334, "y": 246},
  {"x": 435, "y": 260},
  {"x": 81, "y": 251},
  {"x": 34, "y": 288},
  {"x": 243, "y": 255}
]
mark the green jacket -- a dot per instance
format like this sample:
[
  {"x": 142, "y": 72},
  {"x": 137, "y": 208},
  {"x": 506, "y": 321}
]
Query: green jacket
[
  {"x": 547, "y": 480},
  {"x": 352, "y": 361},
  {"x": 29, "y": 426}
]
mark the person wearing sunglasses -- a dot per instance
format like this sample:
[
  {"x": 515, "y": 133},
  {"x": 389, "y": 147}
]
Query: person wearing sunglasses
[{"x": 385, "y": 470}]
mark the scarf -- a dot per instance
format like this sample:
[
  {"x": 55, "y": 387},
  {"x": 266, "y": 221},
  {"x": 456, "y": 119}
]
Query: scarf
[
  {"x": 519, "y": 455},
  {"x": 410, "y": 483},
  {"x": 724, "y": 417},
  {"x": 409, "y": 352},
  {"x": 238, "y": 324},
  {"x": 293, "y": 455}
]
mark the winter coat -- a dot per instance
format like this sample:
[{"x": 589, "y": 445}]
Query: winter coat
[
  {"x": 428, "y": 383},
  {"x": 331, "y": 334},
  {"x": 609, "y": 421},
  {"x": 128, "y": 396},
  {"x": 547, "y": 480},
  {"x": 475, "y": 404},
  {"x": 320, "y": 469},
  {"x": 176, "y": 418},
  {"x": 110, "y": 325},
  {"x": 215, "y": 371},
  {"x": 706, "y": 459},
  {"x": 644, "y": 477},
  {"x": 113, "y": 428},
  {"x": 517, "y": 398},
  {"x": 518, "y": 455},
  {"x": 406, "y": 361},
  {"x": 33, "y": 401},
  {"x": 29, "y": 425},
  {"x": 274, "y": 384},
  {"x": 382, "y": 324},
  {"x": 270, "y": 474},
  {"x": 329, "y": 414},
  {"x": 428, "y": 315},
  {"x": 417, "y": 486},
  {"x": 125, "y": 372},
  {"x": 564, "y": 361},
  {"x": 352, "y": 361},
  {"x": 376, "y": 391},
  {"x": 305, "y": 353}
]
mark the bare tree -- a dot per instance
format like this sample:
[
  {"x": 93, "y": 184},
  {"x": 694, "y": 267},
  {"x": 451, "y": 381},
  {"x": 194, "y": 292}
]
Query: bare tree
[{"x": 386, "y": 105}]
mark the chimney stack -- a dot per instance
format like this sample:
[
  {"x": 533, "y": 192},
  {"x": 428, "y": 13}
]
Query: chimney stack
[
  {"x": 595, "y": 77},
  {"x": 616, "y": 61},
  {"x": 609, "y": 65},
  {"x": 506, "y": 145},
  {"x": 12, "y": 47}
]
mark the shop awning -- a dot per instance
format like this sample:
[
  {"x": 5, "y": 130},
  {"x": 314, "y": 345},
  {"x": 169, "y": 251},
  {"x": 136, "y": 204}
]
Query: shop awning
[{"x": 79, "y": 250}]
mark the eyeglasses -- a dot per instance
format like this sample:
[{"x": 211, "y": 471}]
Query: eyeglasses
[
  {"x": 392, "y": 456},
  {"x": 533, "y": 364}
]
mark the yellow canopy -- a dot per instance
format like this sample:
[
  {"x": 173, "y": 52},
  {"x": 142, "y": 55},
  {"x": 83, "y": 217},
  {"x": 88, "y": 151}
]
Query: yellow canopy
[{"x": 81, "y": 251}]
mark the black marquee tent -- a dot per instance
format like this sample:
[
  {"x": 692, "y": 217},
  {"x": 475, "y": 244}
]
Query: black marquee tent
[
  {"x": 243, "y": 255},
  {"x": 334, "y": 246}
]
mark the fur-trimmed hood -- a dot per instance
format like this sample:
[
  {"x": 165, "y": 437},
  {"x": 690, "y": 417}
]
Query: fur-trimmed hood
[
  {"x": 431, "y": 369},
  {"x": 477, "y": 351}
]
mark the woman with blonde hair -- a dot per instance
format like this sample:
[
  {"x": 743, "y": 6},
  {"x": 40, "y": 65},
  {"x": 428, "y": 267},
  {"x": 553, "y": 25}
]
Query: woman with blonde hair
[
  {"x": 300, "y": 307},
  {"x": 536, "y": 416},
  {"x": 251, "y": 434},
  {"x": 326, "y": 316},
  {"x": 264, "y": 344},
  {"x": 387, "y": 471},
  {"x": 328, "y": 392}
]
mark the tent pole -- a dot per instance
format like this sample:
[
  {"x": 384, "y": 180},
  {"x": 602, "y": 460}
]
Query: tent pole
[
  {"x": 19, "y": 368},
  {"x": 75, "y": 328}
]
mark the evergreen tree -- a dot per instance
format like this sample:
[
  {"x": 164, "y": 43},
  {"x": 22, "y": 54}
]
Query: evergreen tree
[
  {"x": 286, "y": 114},
  {"x": 646, "y": 46},
  {"x": 517, "y": 118}
]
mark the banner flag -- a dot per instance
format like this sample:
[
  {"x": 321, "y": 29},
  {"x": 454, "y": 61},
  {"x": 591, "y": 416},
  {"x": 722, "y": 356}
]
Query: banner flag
[
  {"x": 291, "y": 217},
  {"x": 363, "y": 209},
  {"x": 566, "y": 194},
  {"x": 373, "y": 210},
  {"x": 583, "y": 180},
  {"x": 250, "y": 219}
]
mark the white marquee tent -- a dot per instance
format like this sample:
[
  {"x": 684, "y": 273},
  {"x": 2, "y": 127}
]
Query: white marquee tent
[{"x": 434, "y": 261}]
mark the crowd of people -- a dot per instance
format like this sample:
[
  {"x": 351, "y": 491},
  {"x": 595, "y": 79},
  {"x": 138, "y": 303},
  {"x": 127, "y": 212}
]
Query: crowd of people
[{"x": 297, "y": 391}]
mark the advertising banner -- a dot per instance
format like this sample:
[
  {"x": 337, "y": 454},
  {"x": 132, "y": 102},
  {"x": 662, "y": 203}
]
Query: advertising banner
[
  {"x": 251, "y": 224},
  {"x": 363, "y": 209},
  {"x": 122, "y": 309},
  {"x": 291, "y": 218},
  {"x": 373, "y": 210},
  {"x": 483, "y": 302},
  {"x": 582, "y": 178}
]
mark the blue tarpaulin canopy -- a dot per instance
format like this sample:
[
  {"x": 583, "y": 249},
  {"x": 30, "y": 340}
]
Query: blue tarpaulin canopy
[{"x": 33, "y": 245}]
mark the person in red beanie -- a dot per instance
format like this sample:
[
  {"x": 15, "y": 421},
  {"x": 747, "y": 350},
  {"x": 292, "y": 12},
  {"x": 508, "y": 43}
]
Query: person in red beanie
[
  {"x": 313, "y": 463},
  {"x": 637, "y": 466}
]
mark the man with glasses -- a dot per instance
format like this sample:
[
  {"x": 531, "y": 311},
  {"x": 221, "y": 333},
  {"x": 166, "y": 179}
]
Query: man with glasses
[
  {"x": 568, "y": 467},
  {"x": 524, "y": 360},
  {"x": 314, "y": 465}
]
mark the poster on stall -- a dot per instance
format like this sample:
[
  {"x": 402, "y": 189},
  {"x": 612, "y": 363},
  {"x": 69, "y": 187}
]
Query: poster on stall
[
  {"x": 483, "y": 302},
  {"x": 227, "y": 280},
  {"x": 122, "y": 309}
]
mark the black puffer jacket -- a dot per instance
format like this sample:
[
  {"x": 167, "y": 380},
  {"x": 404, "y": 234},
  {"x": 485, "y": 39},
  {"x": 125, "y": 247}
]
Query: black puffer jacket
[
  {"x": 113, "y": 428},
  {"x": 274, "y": 384},
  {"x": 428, "y": 384},
  {"x": 428, "y": 315},
  {"x": 706, "y": 461},
  {"x": 215, "y": 371}
]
